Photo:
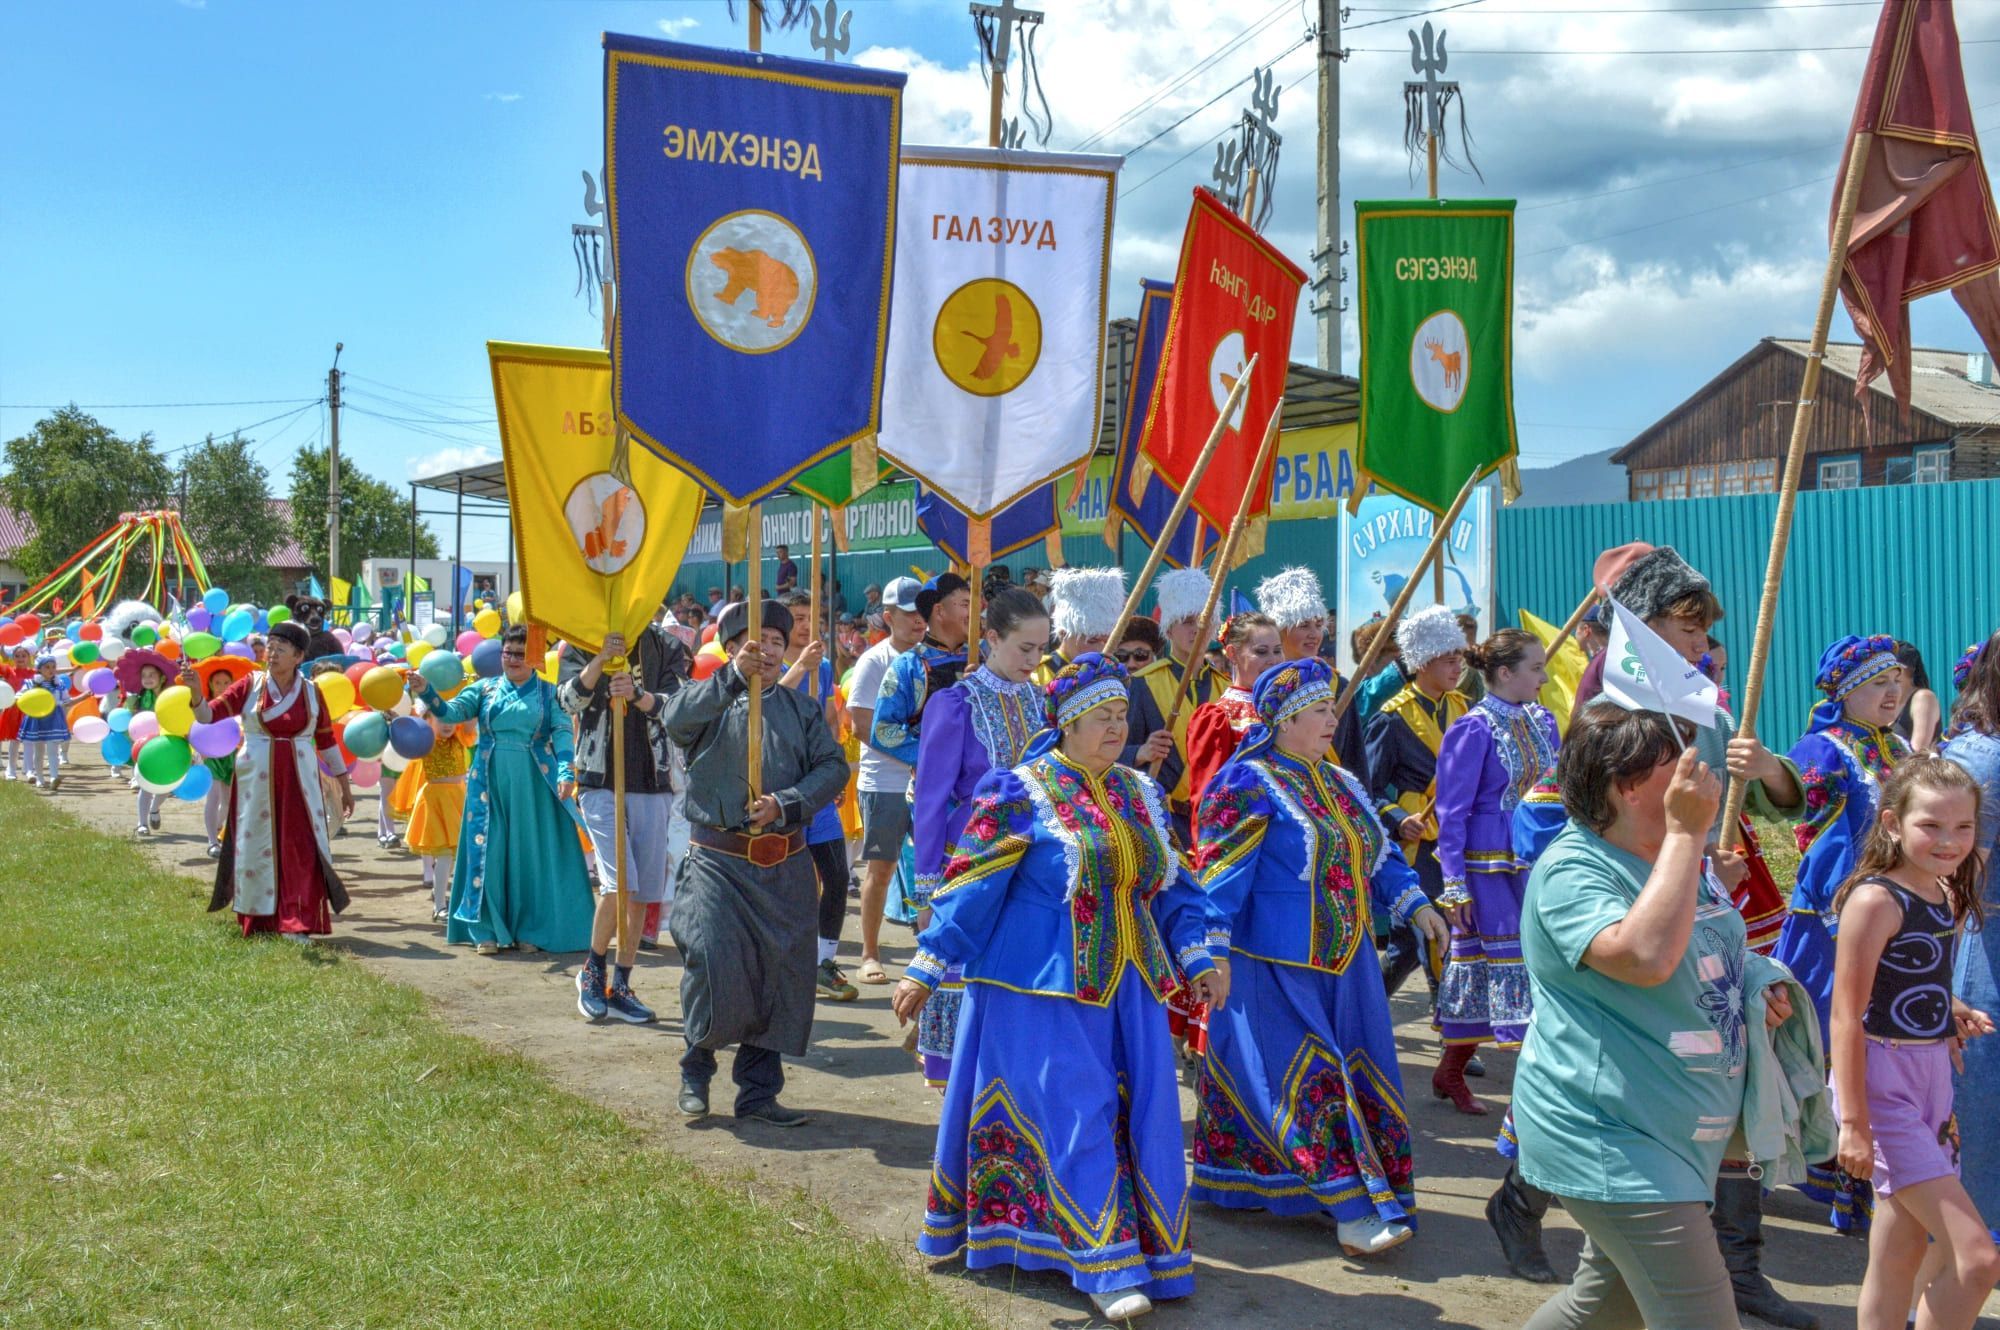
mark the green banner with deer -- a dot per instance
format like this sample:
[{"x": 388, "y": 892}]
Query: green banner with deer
[{"x": 1437, "y": 343}]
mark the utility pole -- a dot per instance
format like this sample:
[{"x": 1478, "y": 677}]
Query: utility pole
[
  {"x": 1327, "y": 254},
  {"x": 333, "y": 473}
]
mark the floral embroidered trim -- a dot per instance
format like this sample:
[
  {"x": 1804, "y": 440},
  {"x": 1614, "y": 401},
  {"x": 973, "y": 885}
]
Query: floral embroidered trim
[{"x": 925, "y": 968}]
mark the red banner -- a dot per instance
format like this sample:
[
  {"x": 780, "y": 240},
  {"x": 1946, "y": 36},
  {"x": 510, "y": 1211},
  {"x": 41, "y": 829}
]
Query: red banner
[{"x": 1234, "y": 297}]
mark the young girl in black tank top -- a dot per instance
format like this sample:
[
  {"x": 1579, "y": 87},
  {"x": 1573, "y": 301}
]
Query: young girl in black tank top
[{"x": 1894, "y": 1020}]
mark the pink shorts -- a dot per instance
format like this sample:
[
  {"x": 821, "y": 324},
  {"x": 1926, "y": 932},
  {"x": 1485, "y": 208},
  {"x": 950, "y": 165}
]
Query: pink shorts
[{"x": 1909, "y": 1111}]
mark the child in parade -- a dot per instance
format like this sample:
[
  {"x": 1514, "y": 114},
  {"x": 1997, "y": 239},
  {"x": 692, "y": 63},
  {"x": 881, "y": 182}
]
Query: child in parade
[
  {"x": 440, "y": 806},
  {"x": 44, "y": 735},
  {"x": 16, "y": 676},
  {"x": 1489, "y": 762},
  {"x": 142, "y": 675},
  {"x": 1916, "y": 882},
  {"x": 216, "y": 674}
]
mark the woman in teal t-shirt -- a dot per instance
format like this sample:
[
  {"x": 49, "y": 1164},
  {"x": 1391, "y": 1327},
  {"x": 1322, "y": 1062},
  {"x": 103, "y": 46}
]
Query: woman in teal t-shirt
[{"x": 1631, "y": 1081}]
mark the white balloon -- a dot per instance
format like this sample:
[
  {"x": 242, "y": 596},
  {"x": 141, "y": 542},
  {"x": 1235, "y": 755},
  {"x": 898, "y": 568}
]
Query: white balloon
[
  {"x": 151, "y": 788},
  {"x": 6, "y": 696},
  {"x": 437, "y": 634},
  {"x": 392, "y": 760},
  {"x": 112, "y": 648},
  {"x": 403, "y": 705}
]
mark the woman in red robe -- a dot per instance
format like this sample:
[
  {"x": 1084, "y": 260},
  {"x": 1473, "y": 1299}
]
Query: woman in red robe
[{"x": 276, "y": 868}]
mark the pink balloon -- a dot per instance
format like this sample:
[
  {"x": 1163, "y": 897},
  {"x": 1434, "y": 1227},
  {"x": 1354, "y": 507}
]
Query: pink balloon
[
  {"x": 216, "y": 740},
  {"x": 467, "y": 640},
  {"x": 365, "y": 775},
  {"x": 342, "y": 636},
  {"x": 90, "y": 729},
  {"x": 143, "y": 727}
]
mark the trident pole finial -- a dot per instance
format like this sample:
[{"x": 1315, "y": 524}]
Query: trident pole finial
[{"x": 832, "y": 37}]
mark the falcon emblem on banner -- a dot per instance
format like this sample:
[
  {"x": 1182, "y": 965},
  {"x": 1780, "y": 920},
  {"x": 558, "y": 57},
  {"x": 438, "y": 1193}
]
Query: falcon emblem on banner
[
  {"x": 752, "y": 202},
  {"x": 1234, "y": 298},
  {"x": 596, "y": 550},
  {"x": 996, "y": 347}
]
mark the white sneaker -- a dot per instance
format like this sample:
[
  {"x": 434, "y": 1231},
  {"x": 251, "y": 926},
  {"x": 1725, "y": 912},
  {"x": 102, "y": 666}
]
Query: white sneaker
[
  {"x": 143, "y": 830},
  {"x": 1122, "y": 1305},
  {"x": 1371, "y": 1236},
  {"x": 215, "y": 849}
]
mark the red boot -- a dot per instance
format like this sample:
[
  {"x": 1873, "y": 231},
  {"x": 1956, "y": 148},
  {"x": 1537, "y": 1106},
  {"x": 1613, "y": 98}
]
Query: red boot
[{"x": 1448, "y": 1081}]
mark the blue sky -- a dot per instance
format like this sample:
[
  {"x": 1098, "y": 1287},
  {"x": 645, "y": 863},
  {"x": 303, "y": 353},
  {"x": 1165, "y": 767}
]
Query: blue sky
[{"x": 201, "y": 198}]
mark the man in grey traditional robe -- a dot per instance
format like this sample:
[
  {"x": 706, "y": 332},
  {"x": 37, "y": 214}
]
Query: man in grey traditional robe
[{"x": 745, "y": 911}]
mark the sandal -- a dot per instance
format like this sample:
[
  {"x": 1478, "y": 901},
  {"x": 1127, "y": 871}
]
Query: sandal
[{"x": 871, "y": 972}]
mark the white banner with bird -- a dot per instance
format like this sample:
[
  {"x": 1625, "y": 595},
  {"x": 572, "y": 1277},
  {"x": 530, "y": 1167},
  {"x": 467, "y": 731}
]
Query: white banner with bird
[{"x": 995, "y": 372}]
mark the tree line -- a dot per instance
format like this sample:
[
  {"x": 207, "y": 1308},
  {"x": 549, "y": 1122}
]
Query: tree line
[{"x": 73, "y": 477}]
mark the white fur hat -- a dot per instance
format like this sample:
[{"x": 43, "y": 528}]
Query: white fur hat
[
  {"x": 127, "y": 615},
  {"x": 1429, "y": 633},
  {"x": 1291, "y": 597},
  {"x": 1086, "y": 602},
  {"x": 1183, "y": 594}
]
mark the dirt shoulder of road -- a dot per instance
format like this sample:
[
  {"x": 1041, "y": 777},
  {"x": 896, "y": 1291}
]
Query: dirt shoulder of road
[{"x": 867, "y": 1151}]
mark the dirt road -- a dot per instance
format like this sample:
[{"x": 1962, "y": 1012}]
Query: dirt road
[{"x": 866, "y": 1153}]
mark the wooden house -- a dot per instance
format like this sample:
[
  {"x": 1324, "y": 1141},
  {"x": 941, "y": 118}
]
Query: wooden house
[{"x": 1730, "y": 437}]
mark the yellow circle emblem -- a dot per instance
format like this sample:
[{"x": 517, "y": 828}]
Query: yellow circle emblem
[{"x": 988, "y": 337}]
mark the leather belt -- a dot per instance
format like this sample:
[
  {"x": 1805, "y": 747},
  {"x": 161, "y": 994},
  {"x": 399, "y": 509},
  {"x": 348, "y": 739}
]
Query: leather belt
[{"x": 767, "y": 850}]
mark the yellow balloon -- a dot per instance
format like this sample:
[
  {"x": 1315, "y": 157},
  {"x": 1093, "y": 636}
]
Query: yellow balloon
[
  {"x": 418, "y": 650},
  {"x": 338, "y": 692},
  {"x": 175, "y": 711},
  {"x": 36, "y": 702},
  {"x": 517, "y": 609},
  {"x": 382, "y": 688},
  {"x": 486, "y": 623},
  {"x": 549, "y": 664}
]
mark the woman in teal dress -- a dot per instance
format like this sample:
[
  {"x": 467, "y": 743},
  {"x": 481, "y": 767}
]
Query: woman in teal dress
[{"x": 519, "y": 879}]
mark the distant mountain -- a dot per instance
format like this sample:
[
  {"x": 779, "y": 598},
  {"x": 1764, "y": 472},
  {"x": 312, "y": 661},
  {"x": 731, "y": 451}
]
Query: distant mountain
[{"x": 1593, "y": 478}]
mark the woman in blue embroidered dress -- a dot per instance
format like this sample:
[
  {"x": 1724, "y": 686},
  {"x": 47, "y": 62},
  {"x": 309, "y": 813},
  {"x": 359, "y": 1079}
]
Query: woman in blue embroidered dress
[
  {"x": 1843, "y": 757},
  {"x": 519, "y": 879},
  {"x": 1487, "y": 764},
  {"x": 980, "y": 724},
  {"x": 1300, "y": 1103},
  {"x": 1066, "y": 906}
]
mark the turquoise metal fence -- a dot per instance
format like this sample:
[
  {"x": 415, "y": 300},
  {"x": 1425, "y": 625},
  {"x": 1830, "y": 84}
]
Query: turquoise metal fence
[{"x": 1916, "y": 561}]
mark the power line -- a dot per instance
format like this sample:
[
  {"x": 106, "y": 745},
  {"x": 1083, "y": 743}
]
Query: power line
[
  {"x": 244, "y": 429},
  {"x": 147, "y": 406},
  {"x": 1190, "y": 72},
  {"x": 1663, "y": 50},
  {"x": 1423, "y": 13},
  {"x": 442, "y": 398}
]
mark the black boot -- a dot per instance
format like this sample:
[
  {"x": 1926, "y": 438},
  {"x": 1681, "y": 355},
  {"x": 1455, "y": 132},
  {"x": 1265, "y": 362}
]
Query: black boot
[
  {"x": 1515, "y": 1211},
  {"x": 1739, "y": 1230}
]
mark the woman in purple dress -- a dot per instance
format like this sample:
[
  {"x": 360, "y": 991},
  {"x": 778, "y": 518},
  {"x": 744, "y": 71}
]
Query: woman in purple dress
[
  {"x": 980, "y": 724},
  {"x": 1488, "y": 763}
]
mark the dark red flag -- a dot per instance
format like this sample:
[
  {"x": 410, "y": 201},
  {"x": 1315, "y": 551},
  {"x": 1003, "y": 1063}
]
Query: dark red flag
[
  {"x": 1234, "y": 296},
  {"x": 1925, "y": 220}
]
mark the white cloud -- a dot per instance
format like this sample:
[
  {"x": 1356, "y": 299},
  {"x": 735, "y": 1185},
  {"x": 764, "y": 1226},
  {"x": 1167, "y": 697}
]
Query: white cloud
[
  {"x": 503, "y": 96},
  {"x": 447, "y": 460},
  {"x": 679, "y": 27}
]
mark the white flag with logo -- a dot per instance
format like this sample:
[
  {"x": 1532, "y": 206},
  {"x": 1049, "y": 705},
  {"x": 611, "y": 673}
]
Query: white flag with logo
[
  {"x": 994, "y": 381},
  {"x": 1643, "y": 673}
]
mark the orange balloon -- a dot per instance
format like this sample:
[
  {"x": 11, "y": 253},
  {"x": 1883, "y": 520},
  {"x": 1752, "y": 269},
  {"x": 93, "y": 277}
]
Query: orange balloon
[
  {"x": 89, "y": 706},
  {"x": 168, "y": 647}
]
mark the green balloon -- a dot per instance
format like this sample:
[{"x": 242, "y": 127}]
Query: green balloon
[
  {"x": 278, "y": 614},
  {"x": 165, "y": 759},
  {"x": 83, "y": 653},
  {"x": 142, "y": 636},
  {"x": 200, "y": 646}
]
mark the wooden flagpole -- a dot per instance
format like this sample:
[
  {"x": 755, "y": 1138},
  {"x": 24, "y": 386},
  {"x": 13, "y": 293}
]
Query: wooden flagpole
[
  {"x": 619, "y": 666},
  {"x": 1223, "y": 557},
  {"x": 1571, "y": 624},
  {"x": 1181, "y": 502},
  {"x": 1439, "y": 534},
  {"x": 1795, "y": 461},
  {"x": 753, "y": 575},
  {"x": 818, "y": 538}
]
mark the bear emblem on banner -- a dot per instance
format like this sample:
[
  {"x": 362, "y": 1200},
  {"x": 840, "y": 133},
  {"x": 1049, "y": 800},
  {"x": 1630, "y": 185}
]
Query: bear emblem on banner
[{"x": 762, "y": 255}]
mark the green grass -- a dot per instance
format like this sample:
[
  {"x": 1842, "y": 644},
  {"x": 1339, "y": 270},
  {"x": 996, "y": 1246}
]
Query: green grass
[
  {"x": 1781, "y": 853},
  {"x": 197, "y": 1130}
]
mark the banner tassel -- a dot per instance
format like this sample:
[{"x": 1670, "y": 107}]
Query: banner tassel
[{"x": 735, "y": 533}]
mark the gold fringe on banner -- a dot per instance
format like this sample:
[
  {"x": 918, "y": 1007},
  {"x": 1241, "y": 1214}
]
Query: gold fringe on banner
[
  {"x": 1362, "y": 480},
  {"x": 1114, "y": 527},
  {"x": 979, "y": 542},
  {"x": 1510, "y": 479},
  {"x": 621, "y": 457},
  {"x": 1142, "y": 473},
  {"x": 864, "y": 460},
  {"x": 735, "y": 533},
  {"x": 1082, "y": 479},
  {"x": 1251, "y": 543},
  {"x": 1052, "y": 546},
  {"x": 838, "y": 517},
  {"x": 538, "y": 645}
]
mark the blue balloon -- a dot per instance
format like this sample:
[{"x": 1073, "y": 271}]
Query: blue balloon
[
  {"x": 485, "y": 659},
  {"x": 442, "y": 670},
  {"x": 216, "y": 599},
  {"x": 120, "y": 720},
  {"x": 73, "y": 630},
  {"x": 116, "y": 749},
  {"x": 237, "y": 626},
  {"x": 410, "y": 737},
  {"x": 194, "y": 785}
]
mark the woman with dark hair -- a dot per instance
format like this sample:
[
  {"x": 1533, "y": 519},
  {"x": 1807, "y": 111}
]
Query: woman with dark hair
[
  {"x": 1300, "y": 1101},
  {"x": 980, "y": 724},
  {"x": 1487, "y": 764},
  {"x": 1251, "y": 644},
  {"x": 1059, "y": 1146},
  {"x": 1638, "y": 1047},
  {"x": 276, "y": 867},
  {"x": 519, "y": 879},
  {"x": 1973, "y": 742}
]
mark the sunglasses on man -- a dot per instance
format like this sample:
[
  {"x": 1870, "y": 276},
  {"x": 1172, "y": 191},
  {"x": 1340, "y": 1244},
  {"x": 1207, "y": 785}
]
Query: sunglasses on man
[{"x": 1133, "y": 655}]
